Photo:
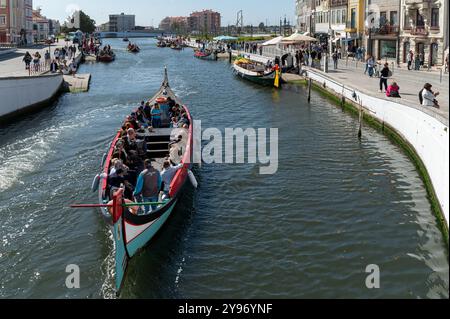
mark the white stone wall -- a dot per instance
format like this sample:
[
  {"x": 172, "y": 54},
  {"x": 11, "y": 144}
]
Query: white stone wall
[{"x": 19, "y": 93}]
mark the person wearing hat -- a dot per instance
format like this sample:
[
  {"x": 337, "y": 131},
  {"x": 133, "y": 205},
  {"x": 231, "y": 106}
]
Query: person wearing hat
[{"x": 148, "y": 186}]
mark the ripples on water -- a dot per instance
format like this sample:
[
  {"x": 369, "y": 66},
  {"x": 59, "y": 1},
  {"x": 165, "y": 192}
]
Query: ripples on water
[{"x": 335, "y": 206}]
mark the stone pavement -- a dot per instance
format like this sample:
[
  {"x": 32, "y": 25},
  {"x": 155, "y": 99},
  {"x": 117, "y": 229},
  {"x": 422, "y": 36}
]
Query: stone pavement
[
  {"x": 351, "y": 74},
  {"x": 11, "y": 65},
  {"x": 410, "y": 83}
]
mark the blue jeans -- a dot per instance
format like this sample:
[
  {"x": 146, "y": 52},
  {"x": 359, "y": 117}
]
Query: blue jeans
[{"x": 147, "y": 208}]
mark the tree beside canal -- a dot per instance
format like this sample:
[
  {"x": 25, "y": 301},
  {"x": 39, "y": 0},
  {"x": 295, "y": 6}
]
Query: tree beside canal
[{"x": 86, "y": 24}]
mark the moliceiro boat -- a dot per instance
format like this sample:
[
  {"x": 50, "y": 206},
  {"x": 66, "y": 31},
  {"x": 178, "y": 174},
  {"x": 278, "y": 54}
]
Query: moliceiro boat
[
  {"x": 133, "y": 222},
  {"x": 133, "y": 48},
  {"x": 258, "y": 73},
  {"x": 206, "y": 55},
  {"x": 106, "y": 56}
]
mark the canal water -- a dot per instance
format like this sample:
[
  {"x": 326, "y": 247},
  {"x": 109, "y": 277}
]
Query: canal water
[{"x": 335, "y": 206}]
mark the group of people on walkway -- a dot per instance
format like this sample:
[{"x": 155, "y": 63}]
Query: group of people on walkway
[
  {"x": 61, "y": 56},
  {"x": 415, "y": 60}
]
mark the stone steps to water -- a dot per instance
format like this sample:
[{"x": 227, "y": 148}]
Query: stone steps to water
[{"x": 76, "y": 84}]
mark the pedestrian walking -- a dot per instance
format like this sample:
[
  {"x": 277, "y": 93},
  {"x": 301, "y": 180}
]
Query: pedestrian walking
[
  {"x": 335, "y": 57},
  {"x": 36, "y": 61},
  {"x": 417, "y": 63},
  {"x": 427, "y": 97},
  {"x": 410, "y": 59},
  {"x": 27, "y": 59},
  {"x": 47, "y": 59},
  {"x": 384, "y": 76},
  {"x": 370, "y": 65}
]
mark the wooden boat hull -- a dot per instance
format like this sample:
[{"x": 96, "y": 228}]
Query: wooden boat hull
[
  {"x": 106, "y": 58},
  {"x": 266, "y": 79},
  {"x": 132, "y": 232},
  {"x": 209, "y": 57}
]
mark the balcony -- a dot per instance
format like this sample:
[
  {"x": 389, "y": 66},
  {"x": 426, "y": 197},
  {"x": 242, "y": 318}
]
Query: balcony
[
  {"x": 419, "y": 31},
  {"x": 385, "y": 30}
]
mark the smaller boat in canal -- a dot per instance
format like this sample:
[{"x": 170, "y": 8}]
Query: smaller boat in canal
[
  {"x": 125, "y": 40},
  {"x": 161, "y": 44},
  {"x": 106, "y": 56},
  {"x": 177, "y": 47},
  {"x": 133, "y": 48},
  {"x": 210, "y": 55},
  {"x": 258, "y": 73}
]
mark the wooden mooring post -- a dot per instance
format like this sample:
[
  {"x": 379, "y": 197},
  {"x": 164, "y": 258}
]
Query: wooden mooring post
[
  {"x": 361, "y": 117},
  {"x": 309, "y": 90}
]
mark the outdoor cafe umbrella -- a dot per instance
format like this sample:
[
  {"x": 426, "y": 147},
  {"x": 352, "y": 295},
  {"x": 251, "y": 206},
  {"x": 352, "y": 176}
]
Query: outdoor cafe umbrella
[
  {"x": 297, "y": 37},
  {"x": 274, "y": 41},
  {"x": 225, "y": 38}
]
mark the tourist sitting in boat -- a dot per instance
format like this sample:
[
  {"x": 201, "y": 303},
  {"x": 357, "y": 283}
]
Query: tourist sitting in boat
[
  {"x": 167, "y": 176},
  {"x": 118, "y": 180},
  {"x": 156, "y": 116},
  {"x": 184, "y": 120},
  {"x": 130, "y": 142},
  {"x": 148, "y": 186},
  {"x": 140, "y": 117},
  {"x": 117, "y": 164},
  {"x": 174, "y": 123},
  {"x": 132, "y": 120},
  {"x": 119, "y": 151},
  {"x": 170, "y": 102}
]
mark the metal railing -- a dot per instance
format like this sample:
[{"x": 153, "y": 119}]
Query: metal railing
[{"x": 38, "y": 68}]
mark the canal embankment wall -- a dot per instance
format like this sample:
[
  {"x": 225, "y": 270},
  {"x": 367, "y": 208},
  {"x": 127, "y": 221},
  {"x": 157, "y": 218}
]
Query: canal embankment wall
[
  {"x": 20, "y": 95},
  {"x": 423, "y": 136},
  {"x": 23, "y": 94}
]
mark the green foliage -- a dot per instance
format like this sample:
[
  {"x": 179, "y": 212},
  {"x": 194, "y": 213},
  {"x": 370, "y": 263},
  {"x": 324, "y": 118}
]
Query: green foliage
[{"x": 87, "y": 24}]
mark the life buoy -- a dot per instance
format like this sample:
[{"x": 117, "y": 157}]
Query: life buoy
[{"x": 161, "y": 100}]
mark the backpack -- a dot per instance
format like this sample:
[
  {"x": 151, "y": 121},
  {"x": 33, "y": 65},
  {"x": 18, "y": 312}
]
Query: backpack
[{"x": 421, "y": 97}]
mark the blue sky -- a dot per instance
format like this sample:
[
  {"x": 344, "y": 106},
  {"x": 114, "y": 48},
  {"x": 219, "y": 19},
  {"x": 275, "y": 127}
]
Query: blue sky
[{"x": 150, "y": 12}]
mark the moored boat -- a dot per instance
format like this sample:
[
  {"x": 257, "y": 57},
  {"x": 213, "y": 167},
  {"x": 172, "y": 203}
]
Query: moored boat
[
  {"x": 258, "y": 73},
  {"x": 133, "y": 230},
  {"x": 106, "y": 57},
  {"x": 206, "y": 55}
]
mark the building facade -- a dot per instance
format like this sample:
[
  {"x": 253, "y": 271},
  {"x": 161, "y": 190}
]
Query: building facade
[
  {"x": 338, "y": 11},
  {"x": 204, "y": 22},
  {"x": 15, "y": 22},
  {"x": 354, "y": 27},
  {"x": 174, "y": 24},
  {"x": 121, "y": 22},
  {"x": 424, "y": 30},
  {"x": 305, "y": 16},
  {"x": 41, "y": 26},
  {"x": 382, "y": 29}
]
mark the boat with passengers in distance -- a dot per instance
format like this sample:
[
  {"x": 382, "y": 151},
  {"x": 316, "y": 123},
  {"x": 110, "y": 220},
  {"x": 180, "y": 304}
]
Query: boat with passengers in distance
[
  {"x": 210, "y": 55},
  {"x": 133, "y": 48},
  {"x": 106, "y": 55},
  {"x": 258, "y": 73},
  {"x": 132, "y": 227}
]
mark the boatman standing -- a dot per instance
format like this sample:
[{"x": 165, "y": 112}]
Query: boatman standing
[{"x": 148, "y": 186}]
